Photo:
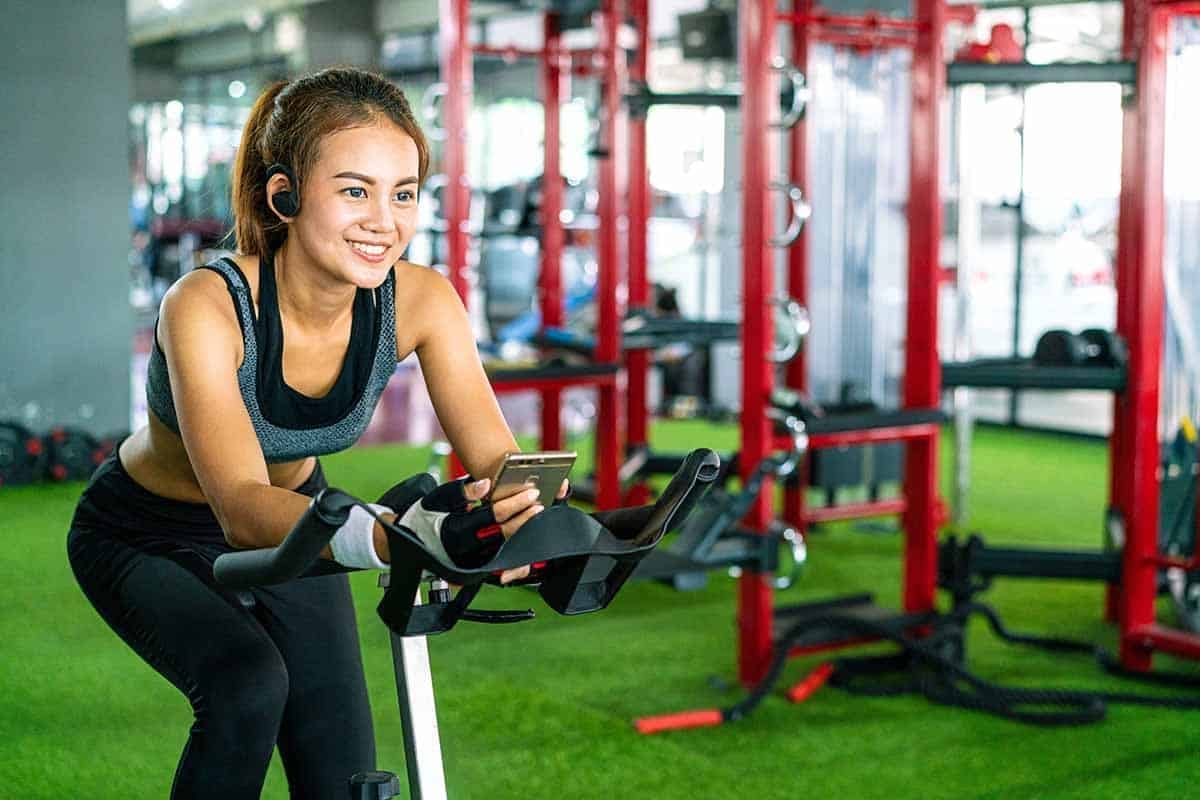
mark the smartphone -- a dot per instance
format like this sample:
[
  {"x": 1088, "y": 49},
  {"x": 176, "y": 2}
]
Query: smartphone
[{"x": 543, "y": 471}]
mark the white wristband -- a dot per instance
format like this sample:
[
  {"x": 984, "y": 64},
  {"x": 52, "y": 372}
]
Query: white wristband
[{"x": 354, "y": 543}]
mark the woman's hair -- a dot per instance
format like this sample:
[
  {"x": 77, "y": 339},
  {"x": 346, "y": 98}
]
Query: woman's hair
[{"x": 287, "y": 125}]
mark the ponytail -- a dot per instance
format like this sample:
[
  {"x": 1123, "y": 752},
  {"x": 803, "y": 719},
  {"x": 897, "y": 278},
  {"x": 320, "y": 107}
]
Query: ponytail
[{"x": 256, "y": 229}]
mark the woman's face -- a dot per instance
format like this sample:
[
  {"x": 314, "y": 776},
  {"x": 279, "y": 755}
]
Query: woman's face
[{"x": 358, "y": 205}]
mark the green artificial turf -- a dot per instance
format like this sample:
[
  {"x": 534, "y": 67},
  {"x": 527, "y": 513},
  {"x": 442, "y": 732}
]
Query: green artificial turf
[{"x": 544, "y": 709}]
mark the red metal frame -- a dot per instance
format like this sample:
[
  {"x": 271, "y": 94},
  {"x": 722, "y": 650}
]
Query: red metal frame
[
  {"x": 551, "y": 385},
  {"x": 457, "y": 75},
  {"x": 760, "y": 99},
  {"x": 862, "y": 32},
  {"x": 864, "y": 22},
  {"x": 610, "y": 290},
  {"x": 456, "y": 67},
  {"x": 1134, "y": 448},
  {"x": 554, "y": 88},
  {"x": 638, "y": 361},
  {"x": 922, "y": 366}
]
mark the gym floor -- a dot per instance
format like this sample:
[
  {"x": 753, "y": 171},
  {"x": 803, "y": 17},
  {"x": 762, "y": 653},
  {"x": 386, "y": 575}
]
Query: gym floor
[{"x": 545, "y": 708}]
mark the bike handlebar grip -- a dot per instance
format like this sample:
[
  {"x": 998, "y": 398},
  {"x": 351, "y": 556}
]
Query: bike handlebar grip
[{"x": 295, "y": 554}]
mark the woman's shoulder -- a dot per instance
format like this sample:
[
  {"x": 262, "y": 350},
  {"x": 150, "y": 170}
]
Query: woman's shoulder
[
  {"x": 420, "y": 288},
  {"x": 202, "y": 295},
  {"x": 423, "y": 299}
]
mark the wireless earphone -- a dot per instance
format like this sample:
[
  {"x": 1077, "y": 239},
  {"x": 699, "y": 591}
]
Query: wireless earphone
[{"x": 287, "y": 201}]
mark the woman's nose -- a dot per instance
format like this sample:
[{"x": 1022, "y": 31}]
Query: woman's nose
[{"x": 379, "y": 219}]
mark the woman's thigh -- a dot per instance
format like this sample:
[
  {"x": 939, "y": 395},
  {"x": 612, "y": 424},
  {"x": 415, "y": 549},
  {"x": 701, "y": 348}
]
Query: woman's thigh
[
  {"x": 194, "y": 634},
  {"x": 327, "y": 734}
]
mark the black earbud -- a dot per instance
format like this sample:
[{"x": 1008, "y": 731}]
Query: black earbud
[{"x": 287, "y": 201}]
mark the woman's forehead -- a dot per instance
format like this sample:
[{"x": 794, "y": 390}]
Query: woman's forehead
[{"x": 376, "y": 150}]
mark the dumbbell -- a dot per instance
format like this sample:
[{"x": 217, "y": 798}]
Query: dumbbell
[
  {"x": 1060, "y": 348},
  {"x": 1105, "y": 348},
  {"x": 22, "y": 455},
  {"x": 72, "y": 454}
]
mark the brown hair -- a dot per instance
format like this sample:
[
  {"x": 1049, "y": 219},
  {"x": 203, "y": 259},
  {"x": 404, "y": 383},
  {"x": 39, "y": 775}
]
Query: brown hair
[{"x": 286, "y": 126}]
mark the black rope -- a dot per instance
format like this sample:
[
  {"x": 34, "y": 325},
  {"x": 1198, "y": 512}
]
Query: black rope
[
  {"x": 1111, "y": 665},
  {"x": 932, "y": 666}
]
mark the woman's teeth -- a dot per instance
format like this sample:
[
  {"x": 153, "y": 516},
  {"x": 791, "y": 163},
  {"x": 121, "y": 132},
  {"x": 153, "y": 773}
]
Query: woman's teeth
[{"x": 369, "y": 249}]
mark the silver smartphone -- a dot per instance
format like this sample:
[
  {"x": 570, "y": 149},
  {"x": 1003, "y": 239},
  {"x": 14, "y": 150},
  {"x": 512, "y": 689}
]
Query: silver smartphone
[{"x": 544, "y": 471}]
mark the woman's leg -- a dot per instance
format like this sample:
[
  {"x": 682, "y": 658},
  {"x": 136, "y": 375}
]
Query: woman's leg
[
  {"x": 326, "y": 735},
  {"x": 213, "y": 651}
]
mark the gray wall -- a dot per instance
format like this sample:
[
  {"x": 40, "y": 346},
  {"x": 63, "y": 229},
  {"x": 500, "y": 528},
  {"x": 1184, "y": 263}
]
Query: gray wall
[{"x": 65, "y": 319}]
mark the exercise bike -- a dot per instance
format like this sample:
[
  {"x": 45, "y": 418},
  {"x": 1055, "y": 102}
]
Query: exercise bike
[{"x": 587, "y": 558}]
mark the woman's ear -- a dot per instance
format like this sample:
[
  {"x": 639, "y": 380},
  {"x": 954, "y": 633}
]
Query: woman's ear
[{"x": 283, "y": 194}]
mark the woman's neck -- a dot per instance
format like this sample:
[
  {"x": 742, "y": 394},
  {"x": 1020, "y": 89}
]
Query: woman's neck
[{"x": 308, "y": 295}]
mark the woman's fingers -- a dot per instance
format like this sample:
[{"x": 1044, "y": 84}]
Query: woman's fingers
[
  {"x": 512, "y": 512},
  {"x": 516, "y": 504},
  {"x": 477, "y": 490},
  {"x": 562, "y": 490},
  {"x": 510, "y": 526}
]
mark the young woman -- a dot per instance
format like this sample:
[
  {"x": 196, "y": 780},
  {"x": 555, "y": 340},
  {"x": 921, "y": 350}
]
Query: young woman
[{"x": 261, "y": 363}]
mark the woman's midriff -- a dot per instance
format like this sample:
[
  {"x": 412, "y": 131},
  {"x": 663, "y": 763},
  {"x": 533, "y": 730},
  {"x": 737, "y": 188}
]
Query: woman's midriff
[{"x": 156, "y": 459}]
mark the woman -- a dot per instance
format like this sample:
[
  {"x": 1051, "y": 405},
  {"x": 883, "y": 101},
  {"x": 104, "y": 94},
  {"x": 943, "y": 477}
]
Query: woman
[{"x": 262, "y": 362}]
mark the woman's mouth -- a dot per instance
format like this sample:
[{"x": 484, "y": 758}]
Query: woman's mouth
[{"x": 373, "y": 253}]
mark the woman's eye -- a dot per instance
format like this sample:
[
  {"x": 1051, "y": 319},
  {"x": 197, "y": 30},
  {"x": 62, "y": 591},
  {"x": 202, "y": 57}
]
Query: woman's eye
[
  {"x": 406, "y": 196},
  {"x": 357, "y": 192}
]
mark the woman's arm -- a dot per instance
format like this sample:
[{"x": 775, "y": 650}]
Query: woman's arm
[
  {"x": 462, "y": 396},
  {"x": 201, "y": 339}
]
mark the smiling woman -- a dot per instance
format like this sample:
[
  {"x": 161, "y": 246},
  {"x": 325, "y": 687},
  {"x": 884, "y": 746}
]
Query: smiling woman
[{"x": 262, "y": 362}]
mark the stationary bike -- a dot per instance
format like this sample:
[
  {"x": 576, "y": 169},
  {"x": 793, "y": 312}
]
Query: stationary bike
[{"x": 586, "y": 558}]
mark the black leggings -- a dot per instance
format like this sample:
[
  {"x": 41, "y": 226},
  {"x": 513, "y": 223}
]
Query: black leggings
[{"x": 283, "y": 669}]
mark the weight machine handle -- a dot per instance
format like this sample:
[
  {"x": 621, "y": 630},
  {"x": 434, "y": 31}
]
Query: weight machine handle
[
  {"x": 801, "y": 211},
  {"x": 431, "y": 110},
  {"x": 800, "y": 93},
  {"x": 796, "y": 322}
]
